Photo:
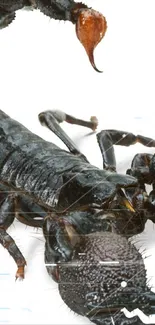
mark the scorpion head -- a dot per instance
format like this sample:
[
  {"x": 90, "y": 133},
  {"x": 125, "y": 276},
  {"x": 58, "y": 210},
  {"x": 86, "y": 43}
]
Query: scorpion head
[
  {"x": 105, "y": 274},
  {"x": 95, "y": 188}
]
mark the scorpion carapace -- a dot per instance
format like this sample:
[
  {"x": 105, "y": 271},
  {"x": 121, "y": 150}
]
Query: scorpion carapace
[
  {"x": 87, "y": 215},
  {"x": 90, "y": 25}
]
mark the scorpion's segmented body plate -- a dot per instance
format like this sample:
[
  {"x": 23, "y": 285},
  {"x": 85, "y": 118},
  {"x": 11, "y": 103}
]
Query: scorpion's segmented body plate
[{"x": 49, "y": 174}]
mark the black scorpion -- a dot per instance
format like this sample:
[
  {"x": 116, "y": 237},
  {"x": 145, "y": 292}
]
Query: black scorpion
[
  {"x": 87, "y": 215},
  {"x": 90, "y": 25}
]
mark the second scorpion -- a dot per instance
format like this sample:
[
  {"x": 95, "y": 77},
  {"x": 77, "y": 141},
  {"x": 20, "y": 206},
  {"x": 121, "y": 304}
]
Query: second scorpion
[{"x": 87, "y": 215}]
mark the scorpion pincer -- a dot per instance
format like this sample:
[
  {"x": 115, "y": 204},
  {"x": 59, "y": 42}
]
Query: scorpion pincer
[
  {"x": 90, "y": 25},
  {"x": 87, "y": 215}
]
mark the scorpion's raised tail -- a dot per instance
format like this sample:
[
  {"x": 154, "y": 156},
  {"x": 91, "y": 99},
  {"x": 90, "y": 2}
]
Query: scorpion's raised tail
[{"x": 90, "y": 25}]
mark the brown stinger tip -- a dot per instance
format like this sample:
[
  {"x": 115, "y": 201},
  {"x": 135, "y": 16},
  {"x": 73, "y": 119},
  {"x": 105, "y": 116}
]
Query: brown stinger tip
[{"x": 90, "y": 29}]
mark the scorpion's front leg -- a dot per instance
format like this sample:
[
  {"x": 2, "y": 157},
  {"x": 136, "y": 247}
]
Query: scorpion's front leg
[
  {"x": 29, "y": 213},
  {"x": 51, "y": 120},
  {"x": 108, "y": 138},
  {"x": 7, "y": 215},
  {"x": 141, "y": 167}
]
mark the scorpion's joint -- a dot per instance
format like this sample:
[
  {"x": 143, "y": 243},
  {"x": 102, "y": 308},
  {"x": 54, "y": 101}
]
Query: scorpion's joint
[
  {"x": 21, "y": 263},
  {"x": 77, "y": 8},
  {"x": 20, "y": 273},
  {"x": 94, "y": 121},
  {"x": 110, "y": 168},
  {"x": 60, "y": 116},
  {"x": 33, "y": 3}
]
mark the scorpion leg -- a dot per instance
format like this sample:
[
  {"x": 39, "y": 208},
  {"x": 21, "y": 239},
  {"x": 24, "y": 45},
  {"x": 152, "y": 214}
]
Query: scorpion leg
[
  {"x": 29, "y": 213},
  {"x": 140, "y": 164},
  {"x": 140, "y": 168},
  {"x": 108, "y": 138},
  {"x": 7, "y": 216},
  {"x": 6, "y": 18},
  {"x": 51, "y": 119}
]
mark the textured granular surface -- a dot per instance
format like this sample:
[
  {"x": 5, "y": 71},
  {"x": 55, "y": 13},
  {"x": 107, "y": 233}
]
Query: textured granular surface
[{"x": 101, "y": 262}]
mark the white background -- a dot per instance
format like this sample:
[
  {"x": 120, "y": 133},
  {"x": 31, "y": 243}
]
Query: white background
[{"x": 44, "y": 66}]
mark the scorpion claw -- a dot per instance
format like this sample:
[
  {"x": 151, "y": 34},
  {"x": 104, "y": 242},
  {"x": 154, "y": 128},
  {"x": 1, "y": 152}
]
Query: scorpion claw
[{"x": 90, "y": 29}]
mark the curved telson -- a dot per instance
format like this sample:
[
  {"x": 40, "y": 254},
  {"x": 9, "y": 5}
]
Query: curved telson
[{"x": 90, "y": 25}]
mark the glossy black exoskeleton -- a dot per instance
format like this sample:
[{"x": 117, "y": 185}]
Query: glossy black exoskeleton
[{"x": 87, "y": 215}]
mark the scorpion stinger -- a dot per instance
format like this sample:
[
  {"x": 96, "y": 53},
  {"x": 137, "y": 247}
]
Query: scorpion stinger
[{"x": 90, "y": 25}]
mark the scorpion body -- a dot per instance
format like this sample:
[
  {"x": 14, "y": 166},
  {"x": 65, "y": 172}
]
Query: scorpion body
[
  {"x": 44, "y": 171},
  {"x": 84, "y": 213}
]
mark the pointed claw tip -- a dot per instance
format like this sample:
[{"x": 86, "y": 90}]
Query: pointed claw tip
[{"x": 91, "y": 27}]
